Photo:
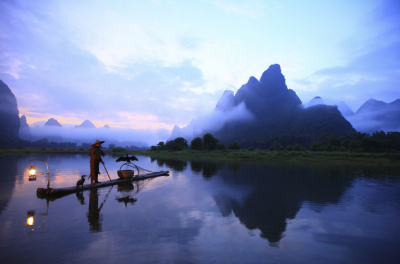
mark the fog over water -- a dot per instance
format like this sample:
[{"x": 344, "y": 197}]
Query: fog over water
[{"x": 119, "y": 136}]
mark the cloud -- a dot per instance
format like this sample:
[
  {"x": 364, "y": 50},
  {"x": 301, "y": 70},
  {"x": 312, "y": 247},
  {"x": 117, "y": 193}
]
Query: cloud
[
  {"x": 251, "y": 9},
  {"x": 373, "y": 66},
  {"x": 213, "y": 122}
]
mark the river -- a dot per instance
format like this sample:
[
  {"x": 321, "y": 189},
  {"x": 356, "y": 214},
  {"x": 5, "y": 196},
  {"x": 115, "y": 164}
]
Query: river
[{"x": 205, "y": 211}]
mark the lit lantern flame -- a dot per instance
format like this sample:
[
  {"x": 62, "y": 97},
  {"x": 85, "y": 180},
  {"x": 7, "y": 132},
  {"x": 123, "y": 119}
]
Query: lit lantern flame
[
  {"x": 29, "y": 221},
  {"x": 32, "y": 171}
]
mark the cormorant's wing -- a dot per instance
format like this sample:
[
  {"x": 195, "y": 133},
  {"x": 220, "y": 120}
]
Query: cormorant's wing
[
  {"x": 121, "y": 159},
  {"x": 133, "y": 158}
]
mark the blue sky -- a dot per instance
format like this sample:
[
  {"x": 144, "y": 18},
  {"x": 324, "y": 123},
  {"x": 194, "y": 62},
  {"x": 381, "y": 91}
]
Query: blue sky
[{"x": 149, "y": 65}]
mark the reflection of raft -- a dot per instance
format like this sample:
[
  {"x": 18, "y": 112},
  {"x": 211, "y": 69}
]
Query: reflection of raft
[{"x": 74, "y": 189}]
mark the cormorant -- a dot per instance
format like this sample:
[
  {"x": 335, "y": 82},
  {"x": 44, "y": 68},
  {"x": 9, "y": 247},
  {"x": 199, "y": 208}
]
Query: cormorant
[
  {"x": 81, "y": 181},
  {"x": 127, "y": 158}
]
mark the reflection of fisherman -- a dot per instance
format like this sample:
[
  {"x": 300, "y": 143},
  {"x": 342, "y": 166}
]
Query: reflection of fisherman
[
  {"x": 94, "y": 211},
  {"x": 95, "y": 154}
]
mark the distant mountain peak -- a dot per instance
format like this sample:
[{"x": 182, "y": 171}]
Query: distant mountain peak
[
  {"x": 226, "y": 101},
  {"x": 316, "y": 101},
  {"x": 9, "y": 114},
  {"x": 273, "y": 77},
  {"x": 52, "y": 122},
  {"x": 371, "y": 105},
  {"x": 86, "y": 124},
  {"x": 344, "y": 109},
  {"x": 253, "y": 81},
  {"x": 24, "y": 131},
  {"x": 106, "y": 126},
  {"x": 23, "y": 122}
]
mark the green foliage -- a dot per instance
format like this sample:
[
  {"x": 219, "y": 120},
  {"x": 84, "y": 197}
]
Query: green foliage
[
  {"x": 298, "y": 147},
  {"x": 354, "y": 145},
  {"x": 334, "y": 141},
  {"x": 118, "y": 149},
  {"x": 317, "y": 146},
  {"x": 330, "y": 147},
  {"x": 174, "y": 146},
  {"x": 160, "y": 146},
  {"x": 197, "y": 144},
  {"x": 289, "y": 147},
  {"x": 221, "y": 146},
  {"x": 178, "y": 143},
  {"x": 234, "y": 146},
  {"x": 250, "y": 149},
  {"x": 210, "y": 142},
  {"x": 324, "y": 137},
  {"x": 359, "y": 142}
]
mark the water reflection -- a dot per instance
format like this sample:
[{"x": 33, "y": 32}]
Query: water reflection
[
  {"x": 80, "y": 197},
  {"x": 207, "y": 168},
  {"x": 126, "y": 190},
  {"x": 209, "y": 212},
  {"x": 94, "y": 217},
  {"x": 8, "y": 177},
  {"x": 175, "y": 164},
  {"x": 278, "y": 192}
]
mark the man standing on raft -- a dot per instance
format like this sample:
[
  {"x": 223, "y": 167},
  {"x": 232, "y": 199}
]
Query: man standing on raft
[{"x": 95, "y": 154}]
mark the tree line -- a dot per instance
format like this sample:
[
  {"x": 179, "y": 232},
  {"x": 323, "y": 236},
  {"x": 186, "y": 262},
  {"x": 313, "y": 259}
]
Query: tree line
[
  {"x": 354, "y": 142},
  {"x": 208, "y": 142}
]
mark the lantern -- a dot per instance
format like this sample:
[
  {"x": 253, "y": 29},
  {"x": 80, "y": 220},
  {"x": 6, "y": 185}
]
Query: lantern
[
  {"x": 32, "y": 173},
  {"x": 29, "y": 220}
]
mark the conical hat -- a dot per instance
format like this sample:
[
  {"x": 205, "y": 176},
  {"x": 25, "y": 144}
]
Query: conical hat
[{"x": 97, "y": 141}]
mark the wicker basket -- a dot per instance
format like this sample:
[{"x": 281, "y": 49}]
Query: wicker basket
[{"x": 125, "y": 174}]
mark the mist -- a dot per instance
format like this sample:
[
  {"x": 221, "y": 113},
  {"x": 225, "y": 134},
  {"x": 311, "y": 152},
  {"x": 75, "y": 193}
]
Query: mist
[
  {"x": 369, "y": 119},
  {"x": 372, "y": 116},
  {"x": 213, "y": 122},
  {"x": 119, "y": 136}
]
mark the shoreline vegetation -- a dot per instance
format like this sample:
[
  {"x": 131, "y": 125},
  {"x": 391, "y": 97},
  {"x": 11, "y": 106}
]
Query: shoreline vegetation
[
  {"x": 335, "y": 157},
  {"x": 390, "y": 159}
]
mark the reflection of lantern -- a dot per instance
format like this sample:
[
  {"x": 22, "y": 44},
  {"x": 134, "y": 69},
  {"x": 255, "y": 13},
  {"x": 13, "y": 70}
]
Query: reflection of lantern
[
  {"x": 29, "y": 220},
  {"x": 32, "y": 173}
]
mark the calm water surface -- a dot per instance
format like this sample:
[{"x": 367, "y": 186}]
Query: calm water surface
[{"x": 204, "y": 212}]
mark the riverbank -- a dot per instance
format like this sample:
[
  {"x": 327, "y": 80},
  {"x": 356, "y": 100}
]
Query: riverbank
[{"x": 390, "y": 159}]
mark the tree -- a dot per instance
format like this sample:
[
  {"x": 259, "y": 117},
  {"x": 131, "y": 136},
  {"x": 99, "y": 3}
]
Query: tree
[
  {"x": 334, "y": 141},
  {"x": 289, "y": 147},
  {"x": 196, "y": 144},
  {"x": 234, "y": 146},
  {"x": 221, "y": 146},
  {"x": 317, "y": 146},
  {"x": 210, "y": 142},
  {"x": 160, "y": 145},
  {"x": 354, "y": 145},
  {"x": 181, "y": 141},
  {"x": 298, "y": 147},
  {"x": 369, "y": 144}
]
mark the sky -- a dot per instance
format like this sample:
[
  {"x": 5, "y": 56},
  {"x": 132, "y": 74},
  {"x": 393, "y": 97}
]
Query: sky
[{"x": 148, "y": 65}]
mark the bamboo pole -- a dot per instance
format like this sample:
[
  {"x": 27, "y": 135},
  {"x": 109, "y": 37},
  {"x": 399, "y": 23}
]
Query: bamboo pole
[{"x": 107, "y": 172}]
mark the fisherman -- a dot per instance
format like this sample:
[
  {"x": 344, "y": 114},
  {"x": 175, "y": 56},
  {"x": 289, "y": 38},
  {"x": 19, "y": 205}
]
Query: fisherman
[{"x": 95, "y": 154}]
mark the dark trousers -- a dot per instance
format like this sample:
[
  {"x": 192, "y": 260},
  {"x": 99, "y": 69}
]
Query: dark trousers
[{"x": 94, "y": 171}]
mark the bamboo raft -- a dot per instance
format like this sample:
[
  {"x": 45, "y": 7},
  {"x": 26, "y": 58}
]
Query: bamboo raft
[{"x": 67, "y": 190}]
